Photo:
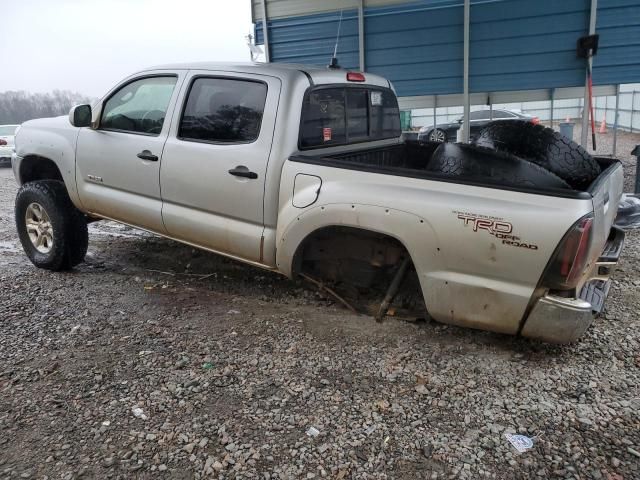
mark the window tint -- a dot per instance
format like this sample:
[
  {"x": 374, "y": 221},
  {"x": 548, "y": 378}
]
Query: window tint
[
  {"x": 337, "y": 116},
  {"x": 502, "y": 114},
  {"x": 324, "y": 118},
  {"x": 357, "y": 114},
  {"x": 139, "y": 106},
  {"x": 385, "y": 115},
  {"x": 479, "y": 115},
  {"x": 223, "y": 110}
]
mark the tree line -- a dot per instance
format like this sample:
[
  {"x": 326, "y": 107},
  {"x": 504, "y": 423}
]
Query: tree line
[{"x": 19, "y": 106}]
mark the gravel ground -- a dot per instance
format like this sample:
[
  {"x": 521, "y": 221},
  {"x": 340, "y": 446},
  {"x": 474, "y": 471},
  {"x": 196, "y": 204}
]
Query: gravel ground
[{"x": 116, "y": 370}]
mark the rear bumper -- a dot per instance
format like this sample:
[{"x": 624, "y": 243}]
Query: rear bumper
[{"x": 557, "y": 319}]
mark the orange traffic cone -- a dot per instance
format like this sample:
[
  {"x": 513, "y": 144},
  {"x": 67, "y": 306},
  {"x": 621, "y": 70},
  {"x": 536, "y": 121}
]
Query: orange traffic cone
[{"x": 603, "y": 124}]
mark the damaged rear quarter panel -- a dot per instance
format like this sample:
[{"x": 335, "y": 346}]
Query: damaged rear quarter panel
[{"x": 479, "y": 252}]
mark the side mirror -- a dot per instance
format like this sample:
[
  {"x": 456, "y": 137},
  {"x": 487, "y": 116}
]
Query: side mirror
[{"x": 80, "y": 116}]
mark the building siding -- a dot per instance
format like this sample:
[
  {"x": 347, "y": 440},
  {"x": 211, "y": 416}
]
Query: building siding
[
  {"x": 310, "y": 39},
  {"x": 618, "y": 57},
  {"x": 515, "y": 44}
]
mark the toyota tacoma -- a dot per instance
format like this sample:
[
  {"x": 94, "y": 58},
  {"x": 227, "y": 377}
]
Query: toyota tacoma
[{"x": 302, "y": 170}]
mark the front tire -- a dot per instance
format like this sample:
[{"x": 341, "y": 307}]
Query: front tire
[{"x": 53, "y": 233}]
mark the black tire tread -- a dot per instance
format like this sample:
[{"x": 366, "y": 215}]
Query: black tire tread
[
  {"x": 70, "y": 226},
  {"x": 544, "y": 147},
  {"x": 78, "y": 243},
  {"x": 486, "y": 165}
]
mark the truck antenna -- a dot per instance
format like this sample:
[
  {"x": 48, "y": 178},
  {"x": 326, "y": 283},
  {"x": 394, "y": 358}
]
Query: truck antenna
[{"x": 334, "y": 59}]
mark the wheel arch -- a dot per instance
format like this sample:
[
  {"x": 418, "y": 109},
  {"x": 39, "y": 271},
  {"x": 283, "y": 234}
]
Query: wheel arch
[
  {"x": 370, "y": 221},
  {"x": 35, "y": 167},
  {"x": 363, "y": 234}
]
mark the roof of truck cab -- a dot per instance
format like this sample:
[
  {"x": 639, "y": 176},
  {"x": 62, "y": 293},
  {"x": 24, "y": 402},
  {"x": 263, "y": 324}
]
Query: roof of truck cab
[{"x": 319, "y": 75}]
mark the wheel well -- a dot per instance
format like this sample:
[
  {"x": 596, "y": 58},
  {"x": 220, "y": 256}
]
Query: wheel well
[
  {"x": 34, "y": 168},
  {"x": 348, "y": 254},
  {"x": 360, "y": 265}
]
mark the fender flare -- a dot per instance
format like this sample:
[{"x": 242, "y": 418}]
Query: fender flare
[
  {"x": 52, "y": 146},
  {"x": 415, "y": 233}
]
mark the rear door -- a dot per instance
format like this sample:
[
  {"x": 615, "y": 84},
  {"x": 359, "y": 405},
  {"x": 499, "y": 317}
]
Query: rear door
[
  {"x": 118, "y": 164},
  {"x": 215, "y": 161}
]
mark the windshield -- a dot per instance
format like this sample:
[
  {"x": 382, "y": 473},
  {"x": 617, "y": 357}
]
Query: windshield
[
  {"x": 342, "y": 115},
  {"x": 8, "y": 129}
]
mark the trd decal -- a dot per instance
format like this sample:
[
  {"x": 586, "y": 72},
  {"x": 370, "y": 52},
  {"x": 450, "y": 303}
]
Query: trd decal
[
  {"x": 495, "y": 226},
  {"x": 492, "y": 226}
]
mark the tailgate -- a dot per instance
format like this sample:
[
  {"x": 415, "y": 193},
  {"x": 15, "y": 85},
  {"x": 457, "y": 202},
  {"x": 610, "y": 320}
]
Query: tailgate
[
  {"x": 606, "y": 192},
  {"x": 607, "y": 241}
]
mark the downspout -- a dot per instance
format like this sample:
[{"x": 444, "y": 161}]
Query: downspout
[
  {"x": 361, "y": 34},
  {"x": 465, "y": 79},
  {"x": 265, "y": 32},
  {"x": 585, "y": 109}
]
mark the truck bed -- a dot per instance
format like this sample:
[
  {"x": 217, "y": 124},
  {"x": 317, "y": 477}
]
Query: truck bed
[{"x": 411, "y": 159}]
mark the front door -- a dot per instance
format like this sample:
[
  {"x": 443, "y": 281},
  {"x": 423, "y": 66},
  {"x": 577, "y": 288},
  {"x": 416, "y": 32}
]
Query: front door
[
  {"x": 118, "y": 164},
  {"x": 215, "y": 162}
]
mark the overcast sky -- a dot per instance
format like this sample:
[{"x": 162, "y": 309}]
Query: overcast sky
[{"x": 89, "y": 45}]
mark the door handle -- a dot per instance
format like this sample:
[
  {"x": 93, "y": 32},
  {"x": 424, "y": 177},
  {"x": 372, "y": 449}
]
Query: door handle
[
  {"x": 242, "y": 171},
  {"x": 147, "y": 155}
]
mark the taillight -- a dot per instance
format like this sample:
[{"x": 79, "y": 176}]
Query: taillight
[
  {"x": 3, "y": 141},
  {"x": 570, "y": 258},
  {"x": 535, "y": 120},
  {"x": 355, "y": 77}
]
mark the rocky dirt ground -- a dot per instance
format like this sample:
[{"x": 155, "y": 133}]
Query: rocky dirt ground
[{"x": 214, "y": 369}]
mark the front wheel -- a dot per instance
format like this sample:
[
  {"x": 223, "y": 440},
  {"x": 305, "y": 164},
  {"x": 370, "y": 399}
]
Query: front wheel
[{"x": 52, "y": 231}]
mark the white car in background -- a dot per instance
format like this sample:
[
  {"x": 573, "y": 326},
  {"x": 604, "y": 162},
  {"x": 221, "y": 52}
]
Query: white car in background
[{"x": 7, "y": 143}]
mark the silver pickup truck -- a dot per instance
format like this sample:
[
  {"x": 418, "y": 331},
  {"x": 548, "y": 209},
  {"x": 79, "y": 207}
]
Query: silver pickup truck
[{"x": 302, "y": 170}]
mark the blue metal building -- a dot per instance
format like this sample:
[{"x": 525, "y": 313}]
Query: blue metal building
[{"x": 516, "y": 48}]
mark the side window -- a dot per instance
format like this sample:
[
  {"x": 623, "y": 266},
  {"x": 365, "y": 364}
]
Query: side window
[
  {"x": 479, "y": 115},
  {"x": 223, "y": 110},
  {"x": 502, "y": 114},
  {"x": 139, "y": 106}
]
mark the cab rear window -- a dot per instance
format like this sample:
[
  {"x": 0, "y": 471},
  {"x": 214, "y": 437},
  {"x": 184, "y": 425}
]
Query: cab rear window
[{"x": 342, "y": 115}]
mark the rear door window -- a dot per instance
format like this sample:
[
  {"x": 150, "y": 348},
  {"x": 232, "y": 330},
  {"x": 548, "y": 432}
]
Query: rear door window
[
  {"x": 343, "y": 115},
  {"x": 223, "y": 110}
]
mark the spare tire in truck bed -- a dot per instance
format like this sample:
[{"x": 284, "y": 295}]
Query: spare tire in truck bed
[
  {"x": 542, "y": 146},
  {"x": 484, "y": 165}
]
